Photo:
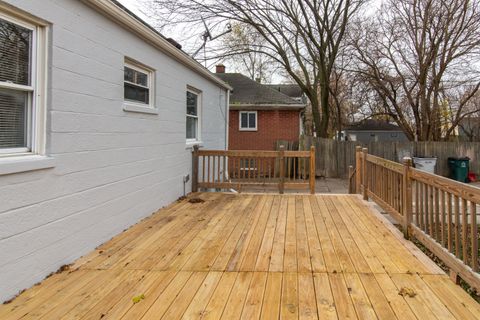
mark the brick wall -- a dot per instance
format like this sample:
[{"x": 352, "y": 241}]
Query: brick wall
[{"x": 272, "y": 126}]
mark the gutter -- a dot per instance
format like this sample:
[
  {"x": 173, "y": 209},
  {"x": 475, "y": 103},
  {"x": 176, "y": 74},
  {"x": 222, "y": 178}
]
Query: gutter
[
  {"x": 120, "y": 16},
  {"x": 247, "y": 106}
]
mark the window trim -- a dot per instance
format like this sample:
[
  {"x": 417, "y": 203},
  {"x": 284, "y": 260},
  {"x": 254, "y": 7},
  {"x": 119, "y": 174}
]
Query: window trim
[
  {"x": 240, "y": 121},
  {"x": 37, "y": 101},
  {"x": 199, "y": 95},
  {"x": 134, "y": 106}
]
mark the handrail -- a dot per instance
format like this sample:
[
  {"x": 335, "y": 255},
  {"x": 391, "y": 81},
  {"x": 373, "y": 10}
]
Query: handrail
[
  {"x": 235, "y": 169},
  {"x": 438, "y": 212}
]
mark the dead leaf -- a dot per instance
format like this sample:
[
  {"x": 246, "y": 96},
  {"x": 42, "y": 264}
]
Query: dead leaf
[{"x": 406, "y": 291}]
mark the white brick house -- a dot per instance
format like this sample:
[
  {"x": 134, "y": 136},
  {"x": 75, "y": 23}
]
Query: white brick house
[{"x": 94, "y": 130}]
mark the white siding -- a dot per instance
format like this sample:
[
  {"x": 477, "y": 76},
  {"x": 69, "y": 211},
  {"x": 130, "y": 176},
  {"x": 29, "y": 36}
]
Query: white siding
[{"x": 112, "y": 167}]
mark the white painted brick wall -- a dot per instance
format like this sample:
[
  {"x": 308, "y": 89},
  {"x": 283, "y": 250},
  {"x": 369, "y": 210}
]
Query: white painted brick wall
[{"x": 112, "y": 167}]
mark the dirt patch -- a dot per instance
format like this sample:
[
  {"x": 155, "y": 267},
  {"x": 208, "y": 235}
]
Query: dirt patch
[{"x": 196, "y": 200}]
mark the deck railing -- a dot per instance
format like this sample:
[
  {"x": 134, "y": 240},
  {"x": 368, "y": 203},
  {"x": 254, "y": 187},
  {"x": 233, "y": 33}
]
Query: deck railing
[
  {"x": 232, "y": 169},
  {"x": 439, "y": 212}
]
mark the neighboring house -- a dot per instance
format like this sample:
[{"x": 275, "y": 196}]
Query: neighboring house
[
  {"x": 373, "y": 130},
  {"x": 469, "y": 129},
  {"x": 259, "y": 115},
  {"x": 98, "y": 115}
]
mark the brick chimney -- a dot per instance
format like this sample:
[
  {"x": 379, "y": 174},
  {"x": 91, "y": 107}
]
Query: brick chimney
[{"x": 220, "y": 68}]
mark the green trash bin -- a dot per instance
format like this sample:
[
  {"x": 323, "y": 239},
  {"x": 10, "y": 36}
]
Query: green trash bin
[{"x": 459, "y": 168}]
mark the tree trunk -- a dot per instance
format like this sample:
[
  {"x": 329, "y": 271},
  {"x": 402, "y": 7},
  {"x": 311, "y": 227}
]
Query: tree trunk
[
  {"x": 322, "y": 128},
  {"x": 316, "y": 114}
]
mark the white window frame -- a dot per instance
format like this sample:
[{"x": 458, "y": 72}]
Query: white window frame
[
  {"x": 199, "y": 95},
  {"x": 249, "y": 167},
  {"x": 240, "y": 121},
  {"x": 135, "y": 106},
  {"x": 36, "y": 111}
]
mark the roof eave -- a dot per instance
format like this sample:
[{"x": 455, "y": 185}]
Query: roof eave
[
  {"x": 376, "y": 130},
  {"x": 118, "y": 15},
  {"x": 252, "y": 106}
]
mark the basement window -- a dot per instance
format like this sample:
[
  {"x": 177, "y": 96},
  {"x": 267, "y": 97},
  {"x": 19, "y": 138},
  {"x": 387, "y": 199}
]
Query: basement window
[{"x": 248, "y": 120}]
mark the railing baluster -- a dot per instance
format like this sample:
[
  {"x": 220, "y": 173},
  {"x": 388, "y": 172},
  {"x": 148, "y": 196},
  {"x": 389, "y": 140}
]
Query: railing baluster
[
  {"x": 427, "y": 214},
  {"x": 464, "y": 231},
  {"x": 449, "y": 221},
  {"x": 430, "y": 211},
  {"x": 442, "y": 217},
  {"x": 457, "y": 225},
  {"x": 417, "y": 201},
  {"x": 219, "y": 179},
  {"x": 421, "y": 206},
  {"x": 436, "y": 213},
  {"x": 224, "y": 168},
  {"x": 474, "y": 235},
  {"x": 203, "y": 171},
  {"x": 213, "y": 170},
  {"x": 294, "y": 169}
]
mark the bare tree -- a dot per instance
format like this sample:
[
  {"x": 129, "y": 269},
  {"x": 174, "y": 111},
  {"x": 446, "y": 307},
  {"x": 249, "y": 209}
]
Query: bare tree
[
  {"x": 244, "y": 40},
  {"x": 421, "y": 58},
  {"x": 304, "y": 37}
]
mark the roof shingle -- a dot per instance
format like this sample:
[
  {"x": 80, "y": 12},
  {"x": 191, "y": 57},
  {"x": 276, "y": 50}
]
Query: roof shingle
[{"x": 248, "y": 91}]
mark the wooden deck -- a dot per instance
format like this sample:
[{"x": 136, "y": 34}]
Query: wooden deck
[{"x": 252, "y": 256}]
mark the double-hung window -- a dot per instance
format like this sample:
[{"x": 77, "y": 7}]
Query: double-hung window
[
  {"x": 138, "y": 85},
  {"x": 21, "y": 97},
  {"x": 248, "y": 120},
  {"x": 193, "y": 115}
]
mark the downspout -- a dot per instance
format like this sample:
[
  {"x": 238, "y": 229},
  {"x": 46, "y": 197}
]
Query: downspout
[
  {"x": 227, "y": 126},
  {"x": 227, "y": 117}
]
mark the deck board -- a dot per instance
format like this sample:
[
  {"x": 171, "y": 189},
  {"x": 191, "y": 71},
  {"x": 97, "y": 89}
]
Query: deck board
[{"x": 252, "y": 256}]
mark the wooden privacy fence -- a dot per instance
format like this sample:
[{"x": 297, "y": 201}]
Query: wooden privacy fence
[
  {"x": 334, "y": 157},
  {"x": 232, "y": 169},
  {"x": 439, "y": 212}
]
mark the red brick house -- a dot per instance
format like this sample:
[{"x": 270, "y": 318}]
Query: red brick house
[{"x": 260, "y": 115}]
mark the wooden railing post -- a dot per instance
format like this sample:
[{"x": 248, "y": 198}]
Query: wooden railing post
[
  {"x": 407, "y": 196},
  {"x": 195, "y": 169},
  {"x": 364, "y": 174},
  {"x": 281, "y": 163},
  {"x": 358, "y": 166},
  {"x": 312, "y": 170}
]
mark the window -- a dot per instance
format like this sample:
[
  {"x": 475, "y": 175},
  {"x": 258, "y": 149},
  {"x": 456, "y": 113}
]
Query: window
[
  {"x": 193, "y": 116},
  {"x": 21, "y": 84},
  {"x": 248, "y": 120},
  {"x": 248, "y": 164},
  {"x": 138, "y": 85}
]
